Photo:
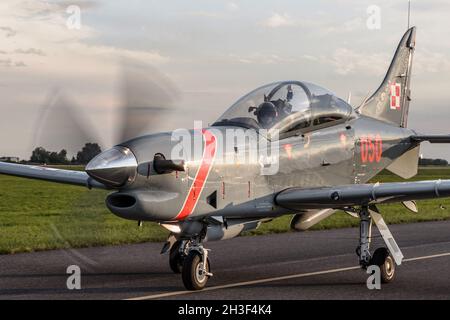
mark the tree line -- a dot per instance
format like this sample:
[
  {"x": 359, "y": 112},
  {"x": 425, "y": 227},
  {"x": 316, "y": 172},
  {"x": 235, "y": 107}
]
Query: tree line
[
  {"x": 432, "y": 162},
  {"x": 42, "y": 156},
  {"x": 90, "y": 150}
]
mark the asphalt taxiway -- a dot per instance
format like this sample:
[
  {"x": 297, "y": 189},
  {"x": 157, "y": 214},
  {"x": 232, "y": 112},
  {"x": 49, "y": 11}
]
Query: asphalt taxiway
[{"x": 308, "y": 265}]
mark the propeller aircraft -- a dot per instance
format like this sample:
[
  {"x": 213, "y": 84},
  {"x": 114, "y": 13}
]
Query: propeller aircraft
[{"x": 289, "y": 147}]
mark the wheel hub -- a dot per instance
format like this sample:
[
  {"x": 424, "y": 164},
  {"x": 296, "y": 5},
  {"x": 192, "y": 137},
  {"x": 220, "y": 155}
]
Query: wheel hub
[
  {"x": 200, "y": 272},
  {"x": 389, "y": 267}
]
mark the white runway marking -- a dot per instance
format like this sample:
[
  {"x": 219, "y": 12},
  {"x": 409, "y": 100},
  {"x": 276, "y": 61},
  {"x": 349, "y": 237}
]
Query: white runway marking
[
  {"x": 428, "y": 257},
  {"x": 266, "y": 280}
]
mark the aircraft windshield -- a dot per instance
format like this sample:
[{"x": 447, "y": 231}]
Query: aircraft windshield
[{"x": 290, "y": 105}]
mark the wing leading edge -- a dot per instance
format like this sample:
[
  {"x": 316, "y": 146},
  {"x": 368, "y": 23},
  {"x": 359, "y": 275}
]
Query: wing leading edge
[
  {"x": 79, "y": 178},
  {"x": 339, "y": 197}
]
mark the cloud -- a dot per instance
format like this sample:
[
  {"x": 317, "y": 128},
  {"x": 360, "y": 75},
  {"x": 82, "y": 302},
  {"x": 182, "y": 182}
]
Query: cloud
[
  {"x": 83, "y": 4},
  {"x": 34, "y": 51},
  {"x": 232, "y": 6},
  {"x": 19, "y": 64},
  {"x": 10, "y": 63},
  {"x": 44, "y": 8},
  {"x": 112, "y": 54},
  {"x": 347, "y": 26},
  {"x": 258, "y": 58},
  {"x": 38, "y": 19},
  {"x": 427, "y": 61},
  {"x": 329, "y": 41},
  {"x": 205, "y": 14},
  {"x": 344, "y": 61},
  {"x": 5, "y": 62},
  {"x": 44, "y": 53},
  {"x": 277, "y": 20},
  {"x": 9, "y": 32},
  {"x": 310, "y": 57}
]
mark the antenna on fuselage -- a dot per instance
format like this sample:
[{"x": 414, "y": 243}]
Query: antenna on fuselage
[
  {"x": 409, "y": 13},
  {"x": 364, "y": 101}
]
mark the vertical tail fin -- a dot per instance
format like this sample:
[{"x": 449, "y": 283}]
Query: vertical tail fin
[{"x": 390, "y": 102}]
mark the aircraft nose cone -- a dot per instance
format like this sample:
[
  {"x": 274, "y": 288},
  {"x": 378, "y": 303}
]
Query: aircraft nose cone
[{"x": 115, "y": 167}]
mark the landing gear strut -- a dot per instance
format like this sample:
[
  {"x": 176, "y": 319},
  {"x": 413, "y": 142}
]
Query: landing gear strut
[
  {"x": 365, "y": 237},
  {"x": 382, "y": 256}
]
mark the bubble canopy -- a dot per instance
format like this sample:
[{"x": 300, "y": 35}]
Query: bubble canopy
[{"x": 288, "y": 106}]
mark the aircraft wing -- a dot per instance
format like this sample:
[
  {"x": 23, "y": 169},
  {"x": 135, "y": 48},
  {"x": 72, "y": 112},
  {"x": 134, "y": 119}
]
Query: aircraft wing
[
  {"x": 339, "y": 197},
  {"x": 80, "y": 178},
  {"x": 433, "y": 138}
]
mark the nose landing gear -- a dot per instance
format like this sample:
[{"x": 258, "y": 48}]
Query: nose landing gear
[
  {"x": 196, "y": 269},
  {"x": 190, "y": 258}
]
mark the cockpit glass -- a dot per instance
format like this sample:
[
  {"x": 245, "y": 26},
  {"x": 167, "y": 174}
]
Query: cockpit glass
[{"x": 289, "y": 105}]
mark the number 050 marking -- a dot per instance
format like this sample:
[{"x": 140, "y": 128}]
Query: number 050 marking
[{"x": 371, "y": 148}]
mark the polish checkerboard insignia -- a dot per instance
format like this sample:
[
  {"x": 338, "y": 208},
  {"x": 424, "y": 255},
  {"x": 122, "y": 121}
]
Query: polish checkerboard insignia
[{"x": 395, "y": 96}]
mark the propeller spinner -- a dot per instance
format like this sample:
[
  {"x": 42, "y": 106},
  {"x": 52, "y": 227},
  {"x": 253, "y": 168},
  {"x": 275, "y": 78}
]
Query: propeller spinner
[{"x": 115, "y": 167}]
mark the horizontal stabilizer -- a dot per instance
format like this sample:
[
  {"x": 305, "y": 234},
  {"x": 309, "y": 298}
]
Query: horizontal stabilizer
[{"x": 434, "y": 138}]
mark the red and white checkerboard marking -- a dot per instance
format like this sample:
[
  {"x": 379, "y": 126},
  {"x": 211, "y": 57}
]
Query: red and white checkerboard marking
[{"x": 395, "y": 96}]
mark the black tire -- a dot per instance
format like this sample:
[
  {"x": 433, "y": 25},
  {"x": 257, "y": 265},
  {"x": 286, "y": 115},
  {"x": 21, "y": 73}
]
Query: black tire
[
  {"x": 384, "y": 260},
  {"x": 176, "y": 258},
  {"x": 192, "y": 278}
]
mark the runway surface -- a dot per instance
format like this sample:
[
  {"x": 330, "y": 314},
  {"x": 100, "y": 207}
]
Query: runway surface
[{"x": 308, "y": 265}]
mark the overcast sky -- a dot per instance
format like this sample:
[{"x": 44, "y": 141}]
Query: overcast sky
[{"x": 214, "y": 51}]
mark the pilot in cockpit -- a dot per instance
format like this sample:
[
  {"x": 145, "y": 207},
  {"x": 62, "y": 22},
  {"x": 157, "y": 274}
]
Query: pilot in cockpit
[{"x": 271, "y": 111}]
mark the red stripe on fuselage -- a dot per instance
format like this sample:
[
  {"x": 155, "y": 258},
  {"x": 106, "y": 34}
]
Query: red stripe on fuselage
[{"x": 209, "y": 154}]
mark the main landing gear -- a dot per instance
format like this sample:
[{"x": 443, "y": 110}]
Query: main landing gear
[
  {"x": 385, "y": 258},
  {"x": 190, "y": 258}
]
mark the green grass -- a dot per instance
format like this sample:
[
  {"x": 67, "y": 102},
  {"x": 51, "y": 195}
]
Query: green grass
[{"x": 38, "y": 215}]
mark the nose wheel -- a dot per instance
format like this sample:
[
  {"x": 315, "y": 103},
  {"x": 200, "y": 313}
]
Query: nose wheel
[
  {"x": 190, "y": 258},
  {"x": 196, "y": 270}
]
